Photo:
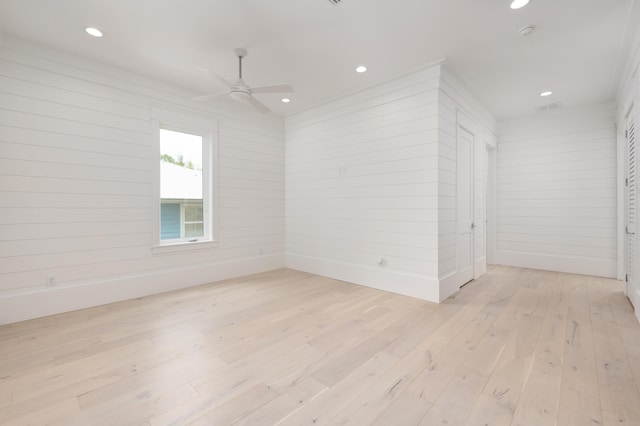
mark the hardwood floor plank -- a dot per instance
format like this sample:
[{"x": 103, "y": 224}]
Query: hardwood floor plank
[
  {"x": 579, "y": 402},
  {"x": 618, "y": 391},
  {"x": 284, "y": 405},
  {"x": 538, "y": 403},
  {"x": 497, "y": 402},
  {"x": 495, "y": 363},
  {"x": 327, "y": 404},
  {"x": 45, "y": 414}
]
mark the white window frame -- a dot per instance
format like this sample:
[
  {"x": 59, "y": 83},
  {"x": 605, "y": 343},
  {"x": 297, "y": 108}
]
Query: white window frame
[{"x": 163, "y": 118}]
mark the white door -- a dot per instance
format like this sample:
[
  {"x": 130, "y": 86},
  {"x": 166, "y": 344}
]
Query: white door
[
  {"x": 631, "y": 207},
  {"x": 464, "y": 206}
]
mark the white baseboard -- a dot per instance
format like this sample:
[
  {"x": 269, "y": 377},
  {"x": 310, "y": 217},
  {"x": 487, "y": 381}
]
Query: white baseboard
[
  {"x": 571, "y": 264},
  {"x": 480, "y": 267},
  {"x": 49, "y": 301},
  {"x": 449, "y": 285},
  {"x": 418, "y": 286}
]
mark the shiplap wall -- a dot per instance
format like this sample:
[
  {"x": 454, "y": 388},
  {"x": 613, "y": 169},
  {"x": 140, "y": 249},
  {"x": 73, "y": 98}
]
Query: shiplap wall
[
  {"x": 557, "y": 191},
  {"x": 76, "y": 187},
  {"x": 371, "y": 184},
  {"x": 362, "y": 187},
  {"x": 455, "y": 100}
]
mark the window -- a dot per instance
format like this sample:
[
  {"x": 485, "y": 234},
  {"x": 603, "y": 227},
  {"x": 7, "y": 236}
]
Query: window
[
  {"x": 192, "y": 222},
  {"x": 185, "y": 170}
]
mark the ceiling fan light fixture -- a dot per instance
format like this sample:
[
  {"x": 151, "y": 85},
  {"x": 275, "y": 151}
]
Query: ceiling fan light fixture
[
  {"x": 518, "y": 4},
  {"x": 92, "y": 31},
  {"x": 240, "y": 95}
]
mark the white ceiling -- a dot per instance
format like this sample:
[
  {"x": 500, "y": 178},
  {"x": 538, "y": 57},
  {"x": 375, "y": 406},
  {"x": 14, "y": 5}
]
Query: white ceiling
[{"x": 315, "y": 46}]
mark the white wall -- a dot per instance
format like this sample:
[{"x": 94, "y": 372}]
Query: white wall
[
  {"x": 557, "y": 191},
  {"x": 371, "y": 177},
  {"x": 76, "y": 187},
  {"x": 455, "y": 103},
  {"x": 362, "y": 185}
]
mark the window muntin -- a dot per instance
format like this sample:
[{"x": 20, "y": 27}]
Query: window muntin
[{"x": 192, "y": 221}]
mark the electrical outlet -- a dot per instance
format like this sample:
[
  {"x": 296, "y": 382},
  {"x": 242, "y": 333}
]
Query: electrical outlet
[{"x": 51, "y": 280}]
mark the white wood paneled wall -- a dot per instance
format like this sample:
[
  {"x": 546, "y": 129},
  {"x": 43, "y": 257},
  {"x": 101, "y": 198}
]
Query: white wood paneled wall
[
  {"x": 455, "y": 100},
  {"x": 76, "y": 185},
  {"x": 362, "y": 187},
  {"x": 557, "y": 191},
  {"x": 371, "y": 184}
]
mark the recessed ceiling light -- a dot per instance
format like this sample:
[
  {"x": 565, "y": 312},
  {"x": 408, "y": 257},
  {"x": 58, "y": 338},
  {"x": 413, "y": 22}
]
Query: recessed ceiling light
[
  {"x": 361, "y": 69},
  {"x": 93, "y": 31},
  {"x": 286, "y": 100},
  {"x": 546, "y": 93},
  {"x": 517, "y": 4}
]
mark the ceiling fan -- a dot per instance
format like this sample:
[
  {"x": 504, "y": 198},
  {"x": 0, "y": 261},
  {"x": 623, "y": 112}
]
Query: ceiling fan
[{"x": 241, "y": 91}]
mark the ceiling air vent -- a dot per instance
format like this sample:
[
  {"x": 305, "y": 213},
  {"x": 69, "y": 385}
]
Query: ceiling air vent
[
  {"x": 549, "y": 107},
  {"x": 335, "y": 1}
]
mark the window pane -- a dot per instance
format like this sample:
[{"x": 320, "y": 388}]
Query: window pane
[
  {"x": 193, "y": 213},
  {"x": 189, "y": 214},
  {"x": 181, "y": 183},
  {"x": 169, "y": 221},
  {"x": 192, "y": 230}
]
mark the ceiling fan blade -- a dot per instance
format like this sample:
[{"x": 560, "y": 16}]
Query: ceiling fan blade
[
  {"x": 258, "y": 105},
  {"x": 279, "y": 88},
  {"x": 212, "y": 95}
]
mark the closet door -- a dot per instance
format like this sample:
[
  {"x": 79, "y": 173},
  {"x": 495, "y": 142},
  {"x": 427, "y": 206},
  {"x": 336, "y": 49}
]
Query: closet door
[{"x": 631, "y": 207}]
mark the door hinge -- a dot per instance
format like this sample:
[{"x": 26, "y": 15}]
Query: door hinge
[
  {"x": 626, "y": 278},
  {"x": 626, "y": 181}
]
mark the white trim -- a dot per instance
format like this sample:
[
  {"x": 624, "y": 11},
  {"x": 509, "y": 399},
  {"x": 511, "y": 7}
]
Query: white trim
[
  {"x": 480, "y": 267},
  {"x": 55, "y": 300},
  {"x": 182, "y": 246},
  {"x": 448, "y": 286},
  {"x": 548, "y": 262},
  {"x": 418, "y": 286}
]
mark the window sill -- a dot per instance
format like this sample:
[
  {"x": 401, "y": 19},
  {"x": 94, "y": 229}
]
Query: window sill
[{"x": 179, "y": 247}]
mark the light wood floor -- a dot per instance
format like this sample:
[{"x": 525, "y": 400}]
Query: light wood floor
[{"x": 517, "y": 347}]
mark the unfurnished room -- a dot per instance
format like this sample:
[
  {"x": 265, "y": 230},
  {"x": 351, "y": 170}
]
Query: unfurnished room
[{"x": 310, "y": 212}]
